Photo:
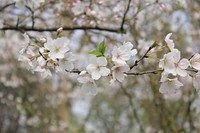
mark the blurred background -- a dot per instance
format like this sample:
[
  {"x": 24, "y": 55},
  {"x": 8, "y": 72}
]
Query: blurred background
[{"x": 57, "y": 104}]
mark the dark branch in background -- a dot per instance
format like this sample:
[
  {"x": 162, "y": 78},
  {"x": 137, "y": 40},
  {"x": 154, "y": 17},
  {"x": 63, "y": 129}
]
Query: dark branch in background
[
  {"x": 124, "y": 16},
  {"x": 4, "y": 7},
  {"x": 129, "y": 97},
  {"x": 24, "y": 28},
  {"x": 32, "y": 16}
]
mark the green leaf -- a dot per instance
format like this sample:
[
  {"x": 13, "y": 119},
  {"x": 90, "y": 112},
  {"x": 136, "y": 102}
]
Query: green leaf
[
  {"x": 102, "y": 47},
  {"x": 96, "y": 52},
  {"x": 155, "y": 44}
]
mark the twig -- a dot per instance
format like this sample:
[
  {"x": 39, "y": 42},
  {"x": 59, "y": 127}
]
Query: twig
[
  {"x": 145, "y": 72},
  {"x": 36, "y": 29},
  {"x": 4, "y": 7},
  {"x": 144, "y": 56},
  {"x": 124, "y": 16}
]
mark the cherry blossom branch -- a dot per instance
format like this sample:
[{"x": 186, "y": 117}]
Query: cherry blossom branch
[
  {"x": 65, "y": 28},
  {"x": 144, "y": 56},
  {"x": 145, "y": 72}
]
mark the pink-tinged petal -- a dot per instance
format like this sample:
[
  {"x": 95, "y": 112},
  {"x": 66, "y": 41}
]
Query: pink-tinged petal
[
  {"x": 170, "y": 86},
  {"x": 101, "y": 61},
  {"x": 69, "y": 66},
  {"x": 195, "y": 57},
  {"x": 104, "y": 71},
  {"x": 161, "y": 63},
  {"x": 89, "y": 88},
  {"x": 176, "y": 55},
  {"x": 184, "y": 63},
  {"x": 170, "y": 68},
  {"x": 126, "y": 56},
  {"x": 195, "y": 61},
  {"x": 96, "y": 75},
  {"x": 49, "y": 44},
  {"x": 119, "y": 76},
  {"x": 125, "y": 68},
  {"x": 181, "y": 72},
  {"x": 164, "y": 76},
  {"x": 177, "y": 84},
  {"x": 134, "y": 52},
  {"x": 26, "y": 37},
  {"x": 196, "y": 81},
  {"x": 196, "y": 65},
  {"x": 164, "y": 88},
  {"x": 128, "y": 45},
  {"x": 170, "y": 42},
  {"x": 54, "y": 55},
  {"x": 90, "y": 68},
  {"x": 82, "y": 80}
]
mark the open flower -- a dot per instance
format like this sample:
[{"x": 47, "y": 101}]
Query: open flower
[
  {"x": 89, "y": 85},
  {"x": 123, "y": 53},
  {"x": 118, "y": 72},
  {"x": 98, "y": 68},
  {"x": 171, "y": 63},
  {"x": 167, "y": 63},
  {"x": 67, "y": 62},
  {"x": 57, "y": 47},
  {"x": 169, "y": 86},
  {"x": 195, "y": 61},
  {"x": 170, "y": 42},
  {"x": 180, "y": 65}
]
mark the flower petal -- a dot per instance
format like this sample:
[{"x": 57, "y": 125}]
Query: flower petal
[{"x": 104, "y": 71}]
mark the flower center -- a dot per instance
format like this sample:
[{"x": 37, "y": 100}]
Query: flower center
[
  {"x": 119, "y": 56},
  {"x": 176, "y": 64},
  {"x": 57, "y": 50},
  {"x": 117, "y": 69}
]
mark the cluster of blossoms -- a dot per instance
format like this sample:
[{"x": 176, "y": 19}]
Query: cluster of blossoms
[
  {"x": 52, "y": 54},
  {"x": 99, "y": 67},
  {"x": 173, "y": 67},
  {"x": 55, "y": 55}
]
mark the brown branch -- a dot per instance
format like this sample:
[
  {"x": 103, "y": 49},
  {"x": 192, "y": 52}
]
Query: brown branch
[
  {"x": 4, "y": 7},
  {"x": 124, "y": 16},
  {"x": 54, "y": 29},
  {"x": 145, "y": 72},
  {"x": 144, "y": 56},
  {"x": 32, "y": 16}
]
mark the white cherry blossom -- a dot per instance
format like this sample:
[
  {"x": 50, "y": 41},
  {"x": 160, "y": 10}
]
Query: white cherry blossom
[
  {"x": 25, "y": 47},
  {"x": 67, "y": 62},
  {"x": 57, "y": 47},
  {"x": 170, "y": 42},
  {"x": 98, "y": 68},
  {"x": 123, "y": 53},
  {"x": 180, "y": 65},
  {"x": 89, "y": 85},
  {"x": 195, "y": 61},
  {"x": 196, "y": 82},
  {"x": 169, "y": 86},
  {"x": 167, "y": 63},
  {"x": 171, "y": 63},
  {"x": 118, "y": 72}
]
